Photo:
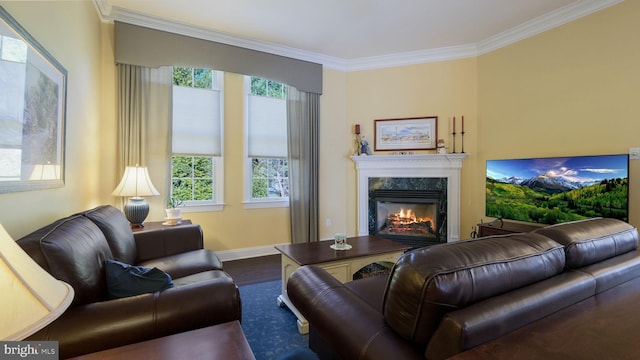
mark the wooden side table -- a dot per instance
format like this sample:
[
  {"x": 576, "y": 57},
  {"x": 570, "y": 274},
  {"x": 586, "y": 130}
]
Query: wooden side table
[
  {"x": 156, "y": 225},
  {"x": 342, "y": 264},
  {"x": 223, "y": 341}
]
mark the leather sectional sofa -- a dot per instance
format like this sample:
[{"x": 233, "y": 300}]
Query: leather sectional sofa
[
  {"x": 75, "y": 249},
  {"x": 443, "y": 300}
]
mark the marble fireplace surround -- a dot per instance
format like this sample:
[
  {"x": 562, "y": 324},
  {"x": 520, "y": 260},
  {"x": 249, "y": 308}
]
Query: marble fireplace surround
[{"x": 411, "y": 166}]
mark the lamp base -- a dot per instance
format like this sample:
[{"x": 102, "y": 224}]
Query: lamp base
[{"x": 136, "y": 211}]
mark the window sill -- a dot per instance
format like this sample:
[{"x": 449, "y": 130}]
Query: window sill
[
  {"x": 265, "y": 204},
  {"x": 201, "y": 208}
]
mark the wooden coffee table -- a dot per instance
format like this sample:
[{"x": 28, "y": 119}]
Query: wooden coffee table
[
  {"x": 223, "y": 341},
  {"x": 342, "y": 264}
]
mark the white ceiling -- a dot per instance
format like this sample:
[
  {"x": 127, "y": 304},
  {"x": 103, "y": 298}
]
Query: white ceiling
[{"x": 352, "y": 32}]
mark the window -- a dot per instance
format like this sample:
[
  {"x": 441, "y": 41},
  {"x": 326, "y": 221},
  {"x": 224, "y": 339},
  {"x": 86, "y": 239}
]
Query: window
[
  {"x": 196, "y": 166},
  {"x": 266, "y": 169}
]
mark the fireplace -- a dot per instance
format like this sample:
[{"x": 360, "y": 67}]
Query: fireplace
[
  {"x": 425, "y": 172},
  {"x": 411, "y": 217}
]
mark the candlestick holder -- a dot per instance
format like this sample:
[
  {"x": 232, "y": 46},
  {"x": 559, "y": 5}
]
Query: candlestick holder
[
  {"x": 462, "y": 141},
  {"x": 454, "y": 142}
]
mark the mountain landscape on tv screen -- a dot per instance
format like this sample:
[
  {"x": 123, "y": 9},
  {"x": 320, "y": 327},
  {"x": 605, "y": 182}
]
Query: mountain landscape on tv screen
[{"x": 554, "y": 190}]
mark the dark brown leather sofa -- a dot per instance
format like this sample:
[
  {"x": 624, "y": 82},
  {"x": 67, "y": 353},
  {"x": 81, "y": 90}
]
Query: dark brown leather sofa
[
  {"x": 442, "y": 300},
  {"x": 74, "y": 249}
]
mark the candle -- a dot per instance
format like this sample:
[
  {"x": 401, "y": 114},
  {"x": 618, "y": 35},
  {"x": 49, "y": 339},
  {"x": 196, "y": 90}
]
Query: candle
[
  {"x": 357, "y": 129},
  {"x": 463, "y": 124},
  {"x": 454, "y": 124}
]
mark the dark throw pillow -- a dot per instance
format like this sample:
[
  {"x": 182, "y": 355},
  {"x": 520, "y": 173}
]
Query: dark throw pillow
[{"x": 124, "y": 280}]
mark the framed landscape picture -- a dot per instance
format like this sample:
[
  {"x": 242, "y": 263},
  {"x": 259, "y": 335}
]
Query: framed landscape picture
[
  {"x": 32, "y": 112},
  {"x": 420, "y": 133}
]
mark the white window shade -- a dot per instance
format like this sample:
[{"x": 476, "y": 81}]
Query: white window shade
[
  {"x": 196, "y": 121},
  {"x": 267, "y": 131}
]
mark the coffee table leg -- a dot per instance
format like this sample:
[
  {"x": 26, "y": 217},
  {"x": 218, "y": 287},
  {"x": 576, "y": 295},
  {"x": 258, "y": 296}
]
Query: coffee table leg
[{"x": 303, "y": 324}]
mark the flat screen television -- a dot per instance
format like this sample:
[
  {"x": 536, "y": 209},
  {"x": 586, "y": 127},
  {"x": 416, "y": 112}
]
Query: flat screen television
[{"x": 558, "y": 189}]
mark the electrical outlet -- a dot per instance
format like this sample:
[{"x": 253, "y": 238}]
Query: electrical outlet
[
  {"x": 328, "y": 222},
  {"x": 634, "y": 153}
]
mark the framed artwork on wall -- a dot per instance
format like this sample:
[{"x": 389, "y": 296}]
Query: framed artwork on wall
[
  {"x": 32, "y": 111},
  {"x": 419, "y": 133}
]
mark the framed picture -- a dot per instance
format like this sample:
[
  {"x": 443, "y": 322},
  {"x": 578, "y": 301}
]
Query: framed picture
[
  {"x": 419, "y": 133},
  {"x": 32, "y": 112}
]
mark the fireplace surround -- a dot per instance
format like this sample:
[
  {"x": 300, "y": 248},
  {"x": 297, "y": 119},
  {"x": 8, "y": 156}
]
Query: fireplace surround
[{"x": 430, "y": 172}]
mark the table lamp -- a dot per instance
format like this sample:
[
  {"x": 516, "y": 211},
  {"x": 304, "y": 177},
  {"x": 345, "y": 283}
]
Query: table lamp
[
  {"x": 136, "y": 183},
  {"x": 31, "y": 298}
]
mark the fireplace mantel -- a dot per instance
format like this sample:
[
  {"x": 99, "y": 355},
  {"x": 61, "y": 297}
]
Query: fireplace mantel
[{"x": 414, "y": 166}]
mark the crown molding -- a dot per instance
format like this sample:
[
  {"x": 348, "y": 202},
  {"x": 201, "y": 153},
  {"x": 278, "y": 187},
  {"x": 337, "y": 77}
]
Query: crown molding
[
  {"x": 563, "y": 15},
  {"x": 559, "y": 17},
  {"x": 413, "y": 57}
]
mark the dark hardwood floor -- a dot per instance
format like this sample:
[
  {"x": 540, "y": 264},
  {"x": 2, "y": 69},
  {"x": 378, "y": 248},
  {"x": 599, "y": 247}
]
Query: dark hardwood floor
[{"x": 254, "y": 270}]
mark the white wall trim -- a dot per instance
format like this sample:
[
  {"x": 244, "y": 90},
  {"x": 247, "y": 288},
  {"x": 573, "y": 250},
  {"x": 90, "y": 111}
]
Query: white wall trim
[
  {"x": 244, "y": 253},
  {"x": 565, "y": 14}
]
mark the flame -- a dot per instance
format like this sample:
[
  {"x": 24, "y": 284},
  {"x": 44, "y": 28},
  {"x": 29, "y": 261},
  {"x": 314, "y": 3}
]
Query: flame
[{"x": 408, "y": 217}]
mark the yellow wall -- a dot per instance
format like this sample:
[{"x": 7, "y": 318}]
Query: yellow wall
[
  {"x": 72, "y": 33},
  {"x": 335, "y": 189},
  {"x": 569, "y": 91}
]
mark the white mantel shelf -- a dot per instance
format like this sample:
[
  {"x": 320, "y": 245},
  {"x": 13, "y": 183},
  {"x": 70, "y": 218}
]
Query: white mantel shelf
[
  {"x": 410, "y": 161},
  {"x": 427, "y": 165}
]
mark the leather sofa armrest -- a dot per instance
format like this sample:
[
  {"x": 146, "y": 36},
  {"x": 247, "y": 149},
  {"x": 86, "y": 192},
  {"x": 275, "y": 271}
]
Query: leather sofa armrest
[
  {"x": 351, "y": 327},
  {"x": 154, "y": 244},
  {"x": 103, "y": 325}
]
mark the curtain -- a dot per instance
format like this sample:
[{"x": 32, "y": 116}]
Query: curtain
[
  {"x": 144, "y": 126},
  {"x": 303, "y": 117}
]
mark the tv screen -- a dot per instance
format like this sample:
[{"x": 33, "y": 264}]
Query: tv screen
[{"x": 558, "y": 189}]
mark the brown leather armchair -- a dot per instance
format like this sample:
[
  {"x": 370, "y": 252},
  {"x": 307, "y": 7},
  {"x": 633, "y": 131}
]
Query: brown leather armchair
[{"x": 74, "y": 249}]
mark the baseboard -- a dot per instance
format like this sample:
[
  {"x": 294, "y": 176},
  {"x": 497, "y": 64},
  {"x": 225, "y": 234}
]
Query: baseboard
[{"x": 244, "y": 253}]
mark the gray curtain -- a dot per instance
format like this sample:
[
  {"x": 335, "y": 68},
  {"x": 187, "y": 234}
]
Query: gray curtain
[
  {"x": 303, "y": 118},
  {"x": 144, "y": 126}
]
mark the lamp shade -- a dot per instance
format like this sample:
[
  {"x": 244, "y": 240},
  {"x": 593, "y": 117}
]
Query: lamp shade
[
  {"x": 135, "y": 183},
  {"x": 31, "y": 298}
]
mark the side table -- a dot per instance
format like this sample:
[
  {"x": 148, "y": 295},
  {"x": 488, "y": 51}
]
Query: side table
[
  {"x": 156, "y": 225},
  {"x": 223, "y": 341}
]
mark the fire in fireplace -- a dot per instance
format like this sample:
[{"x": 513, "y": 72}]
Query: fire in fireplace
[
  {"x": 412, "y": 217},
  {"x": 407, "y": 223}
]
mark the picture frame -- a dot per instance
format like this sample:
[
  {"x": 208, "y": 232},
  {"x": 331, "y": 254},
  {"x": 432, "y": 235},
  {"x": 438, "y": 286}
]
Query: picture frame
[
  {"x": 32, "y": 112},
  {"x": 418, "y": 133}
]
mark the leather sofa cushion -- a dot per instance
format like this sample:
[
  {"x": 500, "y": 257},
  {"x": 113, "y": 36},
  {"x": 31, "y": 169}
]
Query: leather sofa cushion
[
  {"x": 496, "y": 316},
  {"x": 593, "y": 240},
  {"x": 73, "y": 250},
  {"x": 117, "y": 231},
  {"x": 427, "y": 283},
  {"x": 370, "y": 290}
]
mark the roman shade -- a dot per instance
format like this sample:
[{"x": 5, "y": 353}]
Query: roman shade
[
  {"x": 196, "y": 121},
  {"x": 267, "y": 128},
  {"x": 137, "y": 45}
]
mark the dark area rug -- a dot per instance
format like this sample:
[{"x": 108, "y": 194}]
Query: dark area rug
[{"x": 271, "y": 330}]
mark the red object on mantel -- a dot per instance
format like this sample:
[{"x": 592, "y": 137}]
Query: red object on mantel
[
  {"x": 463, "y": 123},
  {"x": 357, "y": 129},
  {"x": 454, "y": 124}
]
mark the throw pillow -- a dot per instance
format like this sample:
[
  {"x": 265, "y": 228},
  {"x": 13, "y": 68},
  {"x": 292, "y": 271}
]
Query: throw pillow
[{"x": 124, "y": 280}]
